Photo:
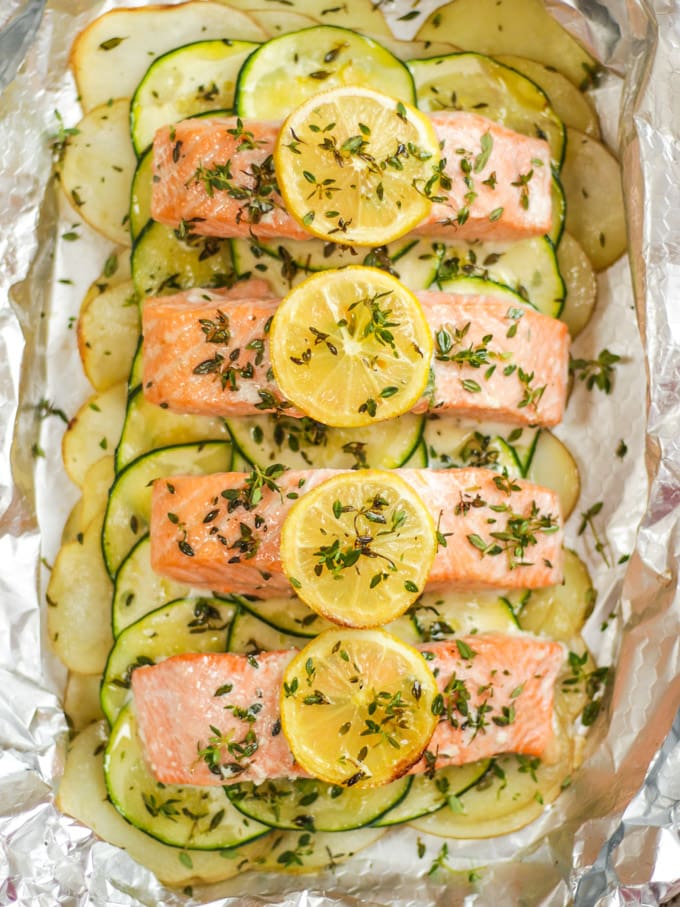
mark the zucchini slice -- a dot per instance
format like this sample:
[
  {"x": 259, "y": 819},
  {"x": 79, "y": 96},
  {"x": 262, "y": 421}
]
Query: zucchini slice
[
  {"x": 560, "y": 611},
  {"x": 128, "y": 510},
  {"x": 82, "y": 794},
  {"x": 313, "y": 805},
  {"x": 430, "y": 792},
  {"x": 306, "y": 444},
  {"x": 559, "y": 211},
  {"x": 138, "y": 589},
  {"x": 140, "y": 194},
  {"x": 163, "y": 262},
  {"x": 523, "y": 27},
  {"x": 476, "y": 83},
  {"x": 197, "y": 818},
  {"x": 250, "y": 635},
  {"x": 182, "y": 82},
  {"x": 148, "y": 427},
  {"x": 440, "y": 615},
  {"x": 475, "y": 286},
  {"x": 285, "y": 71},
  {"x": 528, "y": 267},
  {"x": 286, "y": 615},
  {"x": 136, "y": 369},
  {"x": 186, "y": 625},
  {"x": 286, "y": 262},
  {"x": 418, "y": 459},
  {"x": 453, "y": 443}
]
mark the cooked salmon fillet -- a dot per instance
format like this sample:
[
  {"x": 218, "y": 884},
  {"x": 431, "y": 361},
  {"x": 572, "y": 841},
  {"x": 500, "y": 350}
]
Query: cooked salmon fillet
[
  {"x": 207, "y": 355},
  {"x": 218, "y": 175},
  {"x": 497, "y": 692},
  {"x": 205, "y": 533}
]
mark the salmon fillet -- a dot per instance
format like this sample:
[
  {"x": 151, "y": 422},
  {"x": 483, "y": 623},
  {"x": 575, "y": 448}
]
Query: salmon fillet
[
  {"x": 205, "y": 533},
  {"x": 218, "y": 175},
  {"x": 204, "y": 354},
  {"x": 499, "y": 699}
]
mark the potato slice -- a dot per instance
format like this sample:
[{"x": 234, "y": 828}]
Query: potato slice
[
  {"x": 360, "y": 15},
  {"x": 82, "y": 794},
  {"x": 591, "y": 178},
  {"x": 559, "y": 612},
  {"x": 81, "y": 700},
  {"x": 579, "y": 278},
  {"x": 108, "y": 332},
  {"x": 553, "y": 466},
  {"x": 522, "y": 27},
  {"x": 572, "y": 106},
  {"x": 79, "y": 604},
  {"x": 74, "y": 524},
  {"x": 98, "y": 480},
  {"x": 94, "y": 430},
  {"x": 97, "y": 169},
  {"x": 275, "y": 22},
  {"x": 114, "y": 51}
]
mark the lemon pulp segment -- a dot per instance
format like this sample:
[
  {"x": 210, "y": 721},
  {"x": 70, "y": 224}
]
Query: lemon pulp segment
[
  {"x": 358, "y": 548},
  {"x": 356, "y": 707},
  {"x": 351, "y": 347},
  {"x": 357, "y": 166}
]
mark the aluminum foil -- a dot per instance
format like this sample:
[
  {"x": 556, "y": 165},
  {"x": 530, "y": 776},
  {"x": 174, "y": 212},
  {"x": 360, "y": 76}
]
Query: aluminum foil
[{"x": 611, "y": 838}]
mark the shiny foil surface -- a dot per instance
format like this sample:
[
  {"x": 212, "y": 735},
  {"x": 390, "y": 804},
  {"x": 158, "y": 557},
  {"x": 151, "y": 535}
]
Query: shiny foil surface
[{"x": 611, "y": 838}]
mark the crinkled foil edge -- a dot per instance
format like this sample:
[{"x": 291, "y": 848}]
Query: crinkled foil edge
[{"x": 629, "y": 851}]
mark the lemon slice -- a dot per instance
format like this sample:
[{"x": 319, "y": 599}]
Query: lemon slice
[
  {"x": 358, "y": 548},
  {"x": 357, "y": 166},
  {"x": 356, "y": 707},
  {"x": 351, "y": 347}
]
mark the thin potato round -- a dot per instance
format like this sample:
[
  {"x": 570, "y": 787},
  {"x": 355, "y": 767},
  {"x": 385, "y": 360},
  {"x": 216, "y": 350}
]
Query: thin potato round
[
  {"x": 98, "y": 480},
  {"x": 560, "y": 611},
  {"x": 572, "y": 106},
  {"x": 581, "y": 283},
  {"x": 524, "y": 28},
  {"x": 360, "y": 15},
  {"x": 108, "y": 333},
  {"x": 93, "y": 431},
  {"x": 275, "y": 22},
  {"x": 112, "y": 54},
  {"x": 553, "y": 466},
  {"x": 81, "y": 700},
  {"x": 97, "y": 169},
  {"x": 591, "y": 177},
  {"x": 78, "y": 598}
]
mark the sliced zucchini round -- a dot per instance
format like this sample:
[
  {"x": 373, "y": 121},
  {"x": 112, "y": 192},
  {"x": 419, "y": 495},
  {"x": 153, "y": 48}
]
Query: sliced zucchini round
[
  {"x": 440, "y": 615},
  {"x": 455, "y": 443},
  {"x": 249, "y": 635},
  {"x": 418, "y": 459},
  {"x": 591, "y": 177},
  {"x": 581, "y": 283},
  {"x": 559, "y": 211},
  {"x": 559, "y": 612},
  {"x": 196, "y": 818},
  {"x": 306, "y": 444},
  {"x": 138, "y": 589},
  {"x": 477, "y": 286},
  {"x": 187, "y": 625},
  {"x": 553, "y": 466},
  {"x": 187, "y": 80},
  {"x": 285, "y": 71},
  {"x": 431, "y": 791},
  {"x": 136, "y": 369},
  {"x": 163, "y": 262},
  {"x": 572, "y": 106},
  {"x": 140, "y": 194},
  {"x": 314, "y": 805},
  {"x": 148, "y": 427},
  {"x": 474, "y": 82},
  {"x": 287, "y": 615},
  {"x": 295, "y": 852},
  {"x": 528, "y": 267},
  {"x": 128, "y": 509}
]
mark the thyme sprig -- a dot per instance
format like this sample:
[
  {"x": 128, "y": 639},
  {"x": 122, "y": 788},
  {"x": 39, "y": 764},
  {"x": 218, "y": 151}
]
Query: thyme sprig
[
  {"x": 521, "y": 533},
  {"x": 597, "y": 372}
]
